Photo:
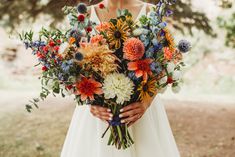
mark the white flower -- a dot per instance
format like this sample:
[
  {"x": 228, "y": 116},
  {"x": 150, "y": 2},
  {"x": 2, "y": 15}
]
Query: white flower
[
  {"x": 119, "y": 86},
  {"x": 138, "y": 32},
  {"x": 176, "y": 88},
  {"x": 170, "y": 67},
  {"x": 63, "y": 47},
  {"x": 163, "y": 80},
  {"x": 177, "y": 75}
]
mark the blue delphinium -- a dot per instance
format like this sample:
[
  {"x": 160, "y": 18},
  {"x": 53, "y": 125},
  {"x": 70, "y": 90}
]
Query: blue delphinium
[
  {"x": 158, "y": 47},
  {"x": 184, "y": 46},
  {"x": 62, "y": 77},
  {"x": 145, "y": 40},
  {"x": 169, "y": 13},
  {"x": 35, "y": 44},
  {"x": 132, "y": 76},
  {"x": 149, "y": 53},
  {"x": 67, "y": 65},
  {"x": 162, "y": 25},
  {"x": 82, "y": 8},
  {"x": 156, "y": 67}
]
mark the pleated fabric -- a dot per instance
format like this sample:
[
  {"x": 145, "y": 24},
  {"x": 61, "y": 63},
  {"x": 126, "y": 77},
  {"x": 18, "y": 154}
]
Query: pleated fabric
[{"x": 152, "y": 135}]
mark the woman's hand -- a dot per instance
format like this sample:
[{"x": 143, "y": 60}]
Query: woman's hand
[
  {"x": 101, "y": 112},
  {"x": 133, "y": 112}
]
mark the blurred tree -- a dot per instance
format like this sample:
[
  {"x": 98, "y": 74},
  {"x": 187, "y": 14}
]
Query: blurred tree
[
  {"x": 228, "y": 24},
  {"x": 13, "y": 12}
]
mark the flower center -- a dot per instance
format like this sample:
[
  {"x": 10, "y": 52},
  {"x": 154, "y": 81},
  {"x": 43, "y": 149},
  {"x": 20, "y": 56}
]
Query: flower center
[
  {"x": 117, "y": 34},
  {"x": 87, "y": 88},
  {"x": 145, "y": 88}
]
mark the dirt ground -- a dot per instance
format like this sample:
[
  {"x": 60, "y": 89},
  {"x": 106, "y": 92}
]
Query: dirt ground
[{"x": 201, "y": 129}]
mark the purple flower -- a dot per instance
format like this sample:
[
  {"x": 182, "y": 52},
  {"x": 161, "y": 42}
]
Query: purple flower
[
  {"x": 169, "y": 12},
  {"x": 156, "y": 67},
  {"x": 184, "y": 46}
]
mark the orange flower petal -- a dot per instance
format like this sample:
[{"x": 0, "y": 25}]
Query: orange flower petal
[
  {"x": 132, "y": 66},
  {"x": 145, "y": 76},
  {"x": 98, "y": 91},
  {"x": 91, "y": 97},
  {"x": 83, "y": 97},
  {"x": 138, "y": 73}
]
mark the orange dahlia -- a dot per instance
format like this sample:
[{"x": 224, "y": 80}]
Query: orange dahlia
[
  {"x": 133, "y": 49},
  {"x": 168, "y": 54},
  {"x": 87, "y": 88},
  {"x": 141, "y": 68}
]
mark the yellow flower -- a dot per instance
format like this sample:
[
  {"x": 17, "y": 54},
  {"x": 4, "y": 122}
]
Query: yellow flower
[
  {"x": 147, "y": 89},
  {"x": 117, "y": 33},
  {"x": 129, "y": 20},
  {"x": 170, "y": 40}
]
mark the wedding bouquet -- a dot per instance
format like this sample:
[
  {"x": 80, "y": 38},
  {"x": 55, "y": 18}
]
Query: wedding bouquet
[{"x": 112, "y": 64}]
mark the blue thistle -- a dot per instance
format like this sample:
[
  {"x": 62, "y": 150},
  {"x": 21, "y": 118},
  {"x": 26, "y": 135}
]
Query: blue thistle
[
  {"x": 82, "y": 8},
  {"x": 78, "y": 56},
  {"x": 184, "y": 46}
]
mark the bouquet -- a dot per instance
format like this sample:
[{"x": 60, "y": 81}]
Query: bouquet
[{"x": 112, "y": 64}]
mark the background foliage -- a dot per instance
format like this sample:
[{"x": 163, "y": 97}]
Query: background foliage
[{"x": 14, "y": 12}]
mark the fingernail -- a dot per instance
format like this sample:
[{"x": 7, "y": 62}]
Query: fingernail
[
  {"x": 111, "y": 115},
  {"x": 121, "y": 110},
  {"x": 122, "y": 121},
  {"x": 120, "y": 115},
  {"x": 110, "y": 118},
  {"x": 109, "y": 110}
]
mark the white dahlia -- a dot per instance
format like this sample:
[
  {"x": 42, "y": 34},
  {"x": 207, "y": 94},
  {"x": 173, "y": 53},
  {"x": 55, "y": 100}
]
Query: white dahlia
[{"x": 119, "y": 86}]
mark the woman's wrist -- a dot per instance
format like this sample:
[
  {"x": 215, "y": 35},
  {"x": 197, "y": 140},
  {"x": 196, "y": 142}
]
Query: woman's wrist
[{"x": 147, "y": 103}]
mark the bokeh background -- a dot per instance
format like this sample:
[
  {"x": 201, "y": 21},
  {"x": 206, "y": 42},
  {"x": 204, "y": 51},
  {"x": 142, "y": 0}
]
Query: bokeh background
[{"x": 202, "y": 115}]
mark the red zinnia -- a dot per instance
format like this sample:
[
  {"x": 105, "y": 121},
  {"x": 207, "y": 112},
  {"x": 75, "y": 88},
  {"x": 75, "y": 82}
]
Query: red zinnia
[
  {"x": 45, "y": 48},
  {"x": 44, "y": 68},
  {"x": 51, "y": 43},
  {"x": 87, "y": 88},
  {"x": 141, "y": 68},
  {"x": 39, "y": 55},
  {"x": 88, "y": 29},
  {"x": 69, "y": 87},
  {"x": 58, "y": 41},
  {"x": 81, "y": 17},
  {"x": 170, "y": 80},
  {"x": 101, "y": 6},
  {"x": 56, "y": 48}
]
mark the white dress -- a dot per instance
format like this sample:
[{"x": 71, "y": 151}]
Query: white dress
[{"x": 152, "y": 133}]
